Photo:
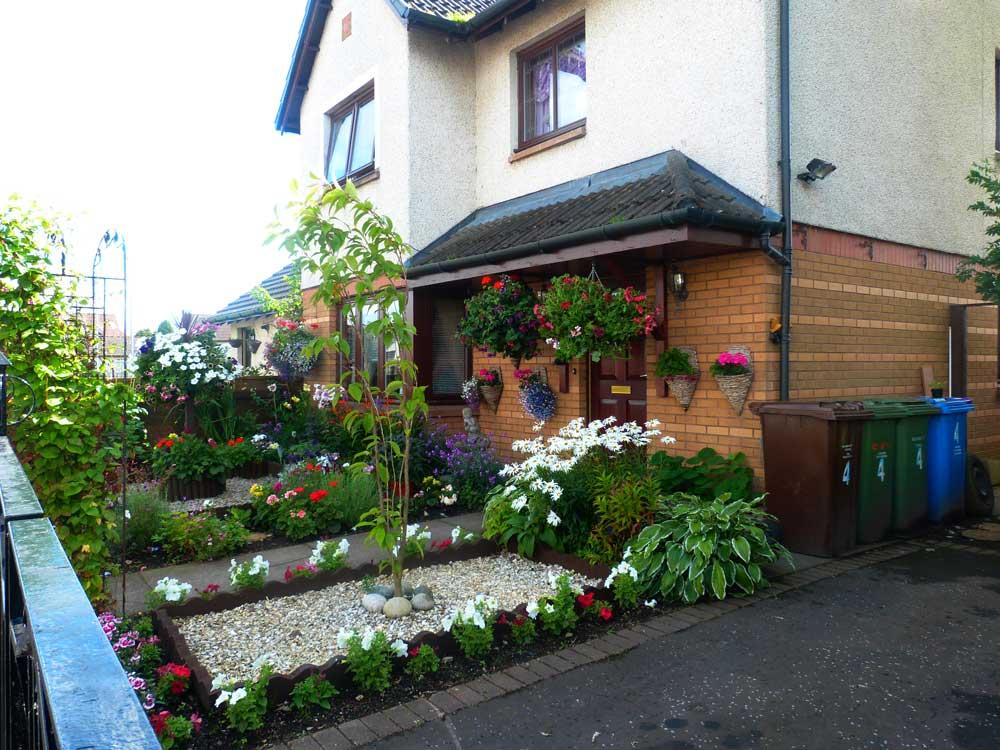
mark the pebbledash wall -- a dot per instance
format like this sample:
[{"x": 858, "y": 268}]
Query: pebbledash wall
[{"x": 867, "y": 316}]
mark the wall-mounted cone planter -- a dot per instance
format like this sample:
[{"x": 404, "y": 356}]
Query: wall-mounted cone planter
[
  {"x": 736, "y": 388},
  {"x": 682, "y": 387},
  {"x": 491, "y": 395}
]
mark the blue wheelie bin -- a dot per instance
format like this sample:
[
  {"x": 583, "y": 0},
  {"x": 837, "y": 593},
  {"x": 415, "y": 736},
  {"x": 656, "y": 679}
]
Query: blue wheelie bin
[{"x": 947, "y": 448}]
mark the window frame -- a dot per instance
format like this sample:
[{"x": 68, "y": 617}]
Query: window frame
[
  {"x": 433, "y": 397},
  {"x": 350, "y": 106},
  {"x": 549, "y": 43},
  {"x": 358, "y": 338}
]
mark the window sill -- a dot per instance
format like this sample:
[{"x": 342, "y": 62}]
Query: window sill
[
  {"x": 556, "y": 140},
  {"x": 360, "y": 180}
]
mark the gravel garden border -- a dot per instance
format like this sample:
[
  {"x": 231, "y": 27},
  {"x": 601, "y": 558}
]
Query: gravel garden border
[{"x": 335, "y": 670}]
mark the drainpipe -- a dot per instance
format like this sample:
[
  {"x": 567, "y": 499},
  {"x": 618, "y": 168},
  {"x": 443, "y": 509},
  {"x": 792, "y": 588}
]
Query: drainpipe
[{"x": 786, "y": 200}]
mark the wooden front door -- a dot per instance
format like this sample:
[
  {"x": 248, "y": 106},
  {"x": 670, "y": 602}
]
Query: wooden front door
[{"x": 618, "y": 386}]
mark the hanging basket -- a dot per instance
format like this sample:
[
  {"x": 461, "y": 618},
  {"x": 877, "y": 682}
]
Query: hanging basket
[
  {"x": 491, "y": 395},
  {"x": 682, "y": 387},
  {"x": 736, "y": 388}
]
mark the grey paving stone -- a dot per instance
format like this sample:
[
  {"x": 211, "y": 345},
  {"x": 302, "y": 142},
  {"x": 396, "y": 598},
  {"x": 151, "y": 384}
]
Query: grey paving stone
[
  {"x": 424, "y": 709},
  {"x": 357, "y": 732},
  {"x": 541, "y": 668},
  {"x": 380, "y": 724},
  {"x": 308, "y": 742},
  {"x": 332, "y": 739},
  {"x": 557, "y": 663},
  {"x": 403, "y": 717},
  {"x": 485, "y": 688},
  {"x": 465, "y": 695},
  {"x": 445, "y": 702},
  {"x": 522, "y": 674},
  {"x": 575, "y": 656},
  {"x": 504, "y": 681}
]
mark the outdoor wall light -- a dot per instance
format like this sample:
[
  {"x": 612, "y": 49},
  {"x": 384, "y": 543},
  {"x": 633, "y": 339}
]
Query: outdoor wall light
[
  {"x": 678, "y": 284},
  {"x": 817, "y": 169}
]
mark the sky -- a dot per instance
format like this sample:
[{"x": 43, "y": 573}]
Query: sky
[{"x": 156, "y": 120}]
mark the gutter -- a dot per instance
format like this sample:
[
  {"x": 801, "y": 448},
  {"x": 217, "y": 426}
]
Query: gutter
[
  {"x": 462, "y": 29},
  {"x": 786, "y": 201},
  {"x": 664, "y": 219}
]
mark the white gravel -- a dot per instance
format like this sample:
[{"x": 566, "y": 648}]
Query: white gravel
[{"x": 302, "y": 629}]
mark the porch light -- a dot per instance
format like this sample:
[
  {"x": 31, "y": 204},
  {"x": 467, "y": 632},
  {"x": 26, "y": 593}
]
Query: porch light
[
  {"x": 817, "y": 169},
  {"x": 678, "y": 284}
]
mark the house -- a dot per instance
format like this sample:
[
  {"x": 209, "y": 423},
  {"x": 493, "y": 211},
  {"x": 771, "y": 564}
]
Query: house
[
  {"x": 651, "y": 141},
  {"x": 246, "y": 325}
]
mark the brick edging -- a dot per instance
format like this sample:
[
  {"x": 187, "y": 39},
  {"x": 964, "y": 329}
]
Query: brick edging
[{"x": 406, "y": 716}]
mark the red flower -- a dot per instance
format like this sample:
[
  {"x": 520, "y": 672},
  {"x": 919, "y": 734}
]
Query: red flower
[
  {"x": 414, "y": 650},
  {"x": 159, "y": 722},
  {"x": 230, "y": 443},
  {"x": 276, "y": 487},
  {"x": 289, "y": 575},
  {"x": 498, "y": 285},
  {"x": 444, "y": 543},
  {"x": 318, "y": 495},
  {"x": 309, "y": 467},
  {"x": 487, "y": 280},
  {"x": 519, "y": 620},
  {"x": 333, "y": 483},
  {"x": 314, "y": 326},
  {"x": 585, "y": 600},
  {"x": 211, "y": 588},
  {"x": 238, "y": 441},
  {"x": 605, "y": 613},
  {"x": 568, "y": 280},
  {"x": 502, "y": 619},
  {"x": 169, "y": 443},
  {"x": 565, "y": 305},
  {"x": 299, "y": 489}
]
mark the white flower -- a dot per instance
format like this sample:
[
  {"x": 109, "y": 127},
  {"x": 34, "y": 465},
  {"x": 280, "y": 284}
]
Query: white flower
[
  {"x": 220, "y": 681},
  {"x": 343, "y": 547},
  {"x": 237, "y": 695},
  {"x": 650, "y": 603},
  {"x": 208, "y": 504},
  {"x": 172, "y": 589},
  {"x": 344, "y": 638},
  {"x": 447, "y": 621},
  {"x": 128, "y": 515},
  {"x": 532, "y": 610},
  {"x": 455, "y": 533},
  {"x": 224, "y": 697},
  {"x": 469, "y": 537},
  {"x": 622, "y": 568},
  {"x": 367, "y": 638},
  {"x": 518, "y": 504},
  {"x": 552, "y": 519},
  {"x": 449, "y": 499},
  {"x": 398, "y": 647},
  {"x": 261, "y": 660},
  {"x": 272, "y": 387},
  {"x": 549, "y": 608}
]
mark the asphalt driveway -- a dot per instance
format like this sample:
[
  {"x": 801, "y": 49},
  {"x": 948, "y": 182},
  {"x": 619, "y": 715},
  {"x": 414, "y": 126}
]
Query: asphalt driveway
[{"x": 905, "y": 654}]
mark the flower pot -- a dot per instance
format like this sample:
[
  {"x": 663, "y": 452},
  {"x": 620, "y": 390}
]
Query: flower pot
[
  {"x": 937, "y": 392},
  {"x": 193, "y": 489},
  {"x": 736, "y": 388},
  {"x": 252, "y": 470},
  {"x": 682, "y": 388},
  {"x": 491, "y": 396}
]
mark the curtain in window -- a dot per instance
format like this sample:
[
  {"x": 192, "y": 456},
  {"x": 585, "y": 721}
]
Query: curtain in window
[
  {"x": 538, "y": 96},
  {"x": 571, "y": 59}
]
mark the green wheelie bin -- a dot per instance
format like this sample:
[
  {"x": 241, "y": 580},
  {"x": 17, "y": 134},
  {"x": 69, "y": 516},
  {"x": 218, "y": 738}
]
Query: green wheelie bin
[
  {"x": 877, "y": 471},
  {"x": 909, "y": 492}
]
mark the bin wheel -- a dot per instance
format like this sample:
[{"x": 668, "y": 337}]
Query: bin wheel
[{"x": 978, "y": 488}]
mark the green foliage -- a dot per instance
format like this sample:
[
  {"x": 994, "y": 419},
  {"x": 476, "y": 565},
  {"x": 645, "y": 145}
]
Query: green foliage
[
  {"x": 706, "y": 474},
  {"x": 354, "y": 249},
  {"x": 147, "y": 511},
  {"x": 626, "y": 591},
  {"x": 219, "y": 419},
  {"x": 528, "y": 526},
  {"x": 188, "y": 457},
  {"x": 175, "y": 732},
  {"x": 674, "y": 361},
  {"x": 623, "y": 505},
  {"x": 472, "y": 628},
  {"x": 500, "y": 318},
  {"x": 247, "y": 714},
  {"x": 984, "y": 268},
  {"x": 289, "y": 306},
  {"x": 522, "y": 631},
  {"x": 249, "y": 574},
  {"x": 704, "y": 547},
  {"x": 61, "y": 445},
  {"x": 422, "y": 662},
  {"x": 371, "y": 667},
  {"x": 200, "y": 536},
  {"x": 558, "y": 611},
  {"x": 312, "y": 694},
  {"x": 588, "y": 320}
]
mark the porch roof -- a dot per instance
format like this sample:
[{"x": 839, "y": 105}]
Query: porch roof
[{"x": 665, "y": 190}]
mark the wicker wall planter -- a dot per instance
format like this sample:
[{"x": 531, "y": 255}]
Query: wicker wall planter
[
  {"x": 491, "y": 395},
  {"x": 193, "y": 489},
  {"x": 682, "y": 387},
  {"x": 736, "y": 388}
]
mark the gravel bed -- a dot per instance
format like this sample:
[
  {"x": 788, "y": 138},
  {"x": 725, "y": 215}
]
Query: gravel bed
[
  {"x": 237, "y": 493},
  {"x": 302, "y": 629}
]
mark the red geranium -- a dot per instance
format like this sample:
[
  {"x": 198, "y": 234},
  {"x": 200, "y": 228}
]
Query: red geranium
[
  {"x": 173, "y": 677},
  {"x": 565, "y": 305},
  {"x": 502, "y": 619},
  {"x": 159, "y": 721},
  {"x": 487, "y": 280},
  {"x": 333, "y": 483},
  {"x": 442, "y": 544},
  {"x": 318, "y": 495},
  {"x": 605, "y": 614},
  {"x": 585, "y": 600},
  {"x": 299, "y": 489}
]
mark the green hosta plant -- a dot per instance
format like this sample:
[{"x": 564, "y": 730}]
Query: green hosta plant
[{"x": 704, "y": 547}]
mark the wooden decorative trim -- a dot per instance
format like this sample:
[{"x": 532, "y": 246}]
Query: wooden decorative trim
[{"x": 556, "y": 140}]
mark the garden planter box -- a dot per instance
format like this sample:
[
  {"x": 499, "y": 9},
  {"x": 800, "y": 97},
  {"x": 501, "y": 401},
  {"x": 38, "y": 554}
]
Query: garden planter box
[
  {"x": 193, "y": 489},
  {"x": 254, "y": 385},
  {"x": 253, "y": 470},
  {"x": 335, "y": 670}
]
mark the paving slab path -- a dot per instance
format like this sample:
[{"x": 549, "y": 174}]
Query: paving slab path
[
  {"x": 900, "y": 652},
  {"x": 200, "y": 574}
]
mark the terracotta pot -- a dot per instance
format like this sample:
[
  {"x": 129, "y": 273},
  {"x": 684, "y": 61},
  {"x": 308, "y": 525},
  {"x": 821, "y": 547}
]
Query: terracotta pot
[{"x": 193, "y": 489}]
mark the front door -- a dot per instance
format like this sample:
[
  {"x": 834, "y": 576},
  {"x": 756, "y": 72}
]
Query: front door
[{"x": 618, "y": 386}]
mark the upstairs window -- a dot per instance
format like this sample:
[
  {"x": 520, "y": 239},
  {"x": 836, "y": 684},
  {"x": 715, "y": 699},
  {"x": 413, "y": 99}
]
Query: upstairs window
[
  {"x": 350, "y": 152},
  {"x": 552, "y": 85}
]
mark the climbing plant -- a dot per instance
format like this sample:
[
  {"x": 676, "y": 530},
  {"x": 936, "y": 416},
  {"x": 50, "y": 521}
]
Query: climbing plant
[{"x": 984, "y": 268}]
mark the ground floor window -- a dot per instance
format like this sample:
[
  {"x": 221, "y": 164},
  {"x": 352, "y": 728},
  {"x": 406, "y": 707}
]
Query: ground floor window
[
  {"x": 449, "y": 356},
  {"x": 367, "y": 352}
]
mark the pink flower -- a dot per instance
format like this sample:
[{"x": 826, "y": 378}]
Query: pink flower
[
  {"x": 272, "y": 499},
  {"x": 301, "y": 514}
]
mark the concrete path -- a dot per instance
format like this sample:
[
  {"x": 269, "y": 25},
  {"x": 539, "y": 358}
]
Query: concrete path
[
  {"x": 903, "y": 654},
  {"x": 200, "y": 574}
]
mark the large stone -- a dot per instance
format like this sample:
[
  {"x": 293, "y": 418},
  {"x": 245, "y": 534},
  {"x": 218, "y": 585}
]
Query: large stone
[
  {"x": 398, "y": 606},
  {"x": 422, "y": 602},
  {"x": 421, "y": 589},
  {"x": 385, "y": 591},
  {"x": 373, "y": 602}
]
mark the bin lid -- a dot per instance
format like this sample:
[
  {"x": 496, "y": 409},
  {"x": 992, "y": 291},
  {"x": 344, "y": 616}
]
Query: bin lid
[
  {"x": 830, "y": 411},
  {"x": 954, "y": 405},
  {"x": 914, "y": 406},
  {"x": 885, "y": 409}
]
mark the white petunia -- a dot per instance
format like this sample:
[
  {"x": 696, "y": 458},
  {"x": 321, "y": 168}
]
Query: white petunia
[
  {"x": 650, "y": 603},
  {"x": 532, "y": 610},
  {"x": 398, "y": 647}
]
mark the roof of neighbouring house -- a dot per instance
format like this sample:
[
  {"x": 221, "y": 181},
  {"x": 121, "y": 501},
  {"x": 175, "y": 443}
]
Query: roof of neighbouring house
[
  {"x": 457, "y": 18},
  {"x": 667, "y": 189},
  {"x": 246, "y": 306}
]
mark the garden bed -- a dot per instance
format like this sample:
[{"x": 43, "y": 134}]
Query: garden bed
[{"x": 294, "y": 623}]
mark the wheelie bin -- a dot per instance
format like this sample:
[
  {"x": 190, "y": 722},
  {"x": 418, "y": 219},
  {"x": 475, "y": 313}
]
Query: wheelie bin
[
  {"x": 877, "y": 477},
  {"x": 811, "y": 456},
  {"x": 947, "y": 441}
]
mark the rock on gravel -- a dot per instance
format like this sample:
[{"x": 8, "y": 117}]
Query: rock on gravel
[
  {"x": 398, "y": 606},
  {"x": 373, "y": 602},
  {"x": 302, "y": 629}
]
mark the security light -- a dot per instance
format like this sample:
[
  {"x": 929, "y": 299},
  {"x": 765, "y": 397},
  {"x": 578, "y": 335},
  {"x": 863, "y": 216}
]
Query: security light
[
  {"x": 678, "y": 284},
  {"x": 817, "y": 169}
]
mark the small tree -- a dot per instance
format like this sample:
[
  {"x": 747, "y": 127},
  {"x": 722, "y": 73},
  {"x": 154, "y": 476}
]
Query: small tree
[
  {"x": 360, "y": 259},
  {"x": 984, "y": 268},
  {"x": 289, "y": 306}
]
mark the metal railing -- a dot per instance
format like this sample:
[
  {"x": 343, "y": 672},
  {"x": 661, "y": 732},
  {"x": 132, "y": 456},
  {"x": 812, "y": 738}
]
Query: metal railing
[{"x": 61, "y": 684}]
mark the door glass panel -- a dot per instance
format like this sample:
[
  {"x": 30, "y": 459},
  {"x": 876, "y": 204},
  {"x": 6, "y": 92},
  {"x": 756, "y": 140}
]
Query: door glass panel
[
  {"x": 364, "y": 137},
  {"x": 340, "y": 141},
  {"x": 572, "y": 80}
]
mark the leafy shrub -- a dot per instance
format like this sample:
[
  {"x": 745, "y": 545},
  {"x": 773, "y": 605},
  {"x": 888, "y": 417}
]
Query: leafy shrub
[
  {"x": 472, "y": 626},
  {"x": 706, "y": 474},
  {"x": 469, "y": 463},
  {"x": 369, "y": 658},
  {"x": 147, "y": 511},
  {"x": 312, "y": 694},
  {"x": 200, "y": 536},
  {"x": 558, "y": 611},
  {"x": 171, "y": 730},
  {"x": 522, "y": 629},
  {"x": 188, "y": 457},
  {"x": 330, "y": 556},
  {"x": 623, "y": 506},
  {"x": 674, "y": 362},
  {"x": 422, "y": 662},
  {"x": 704, "y": 547},
  {"x": 247, "y": 705}
]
